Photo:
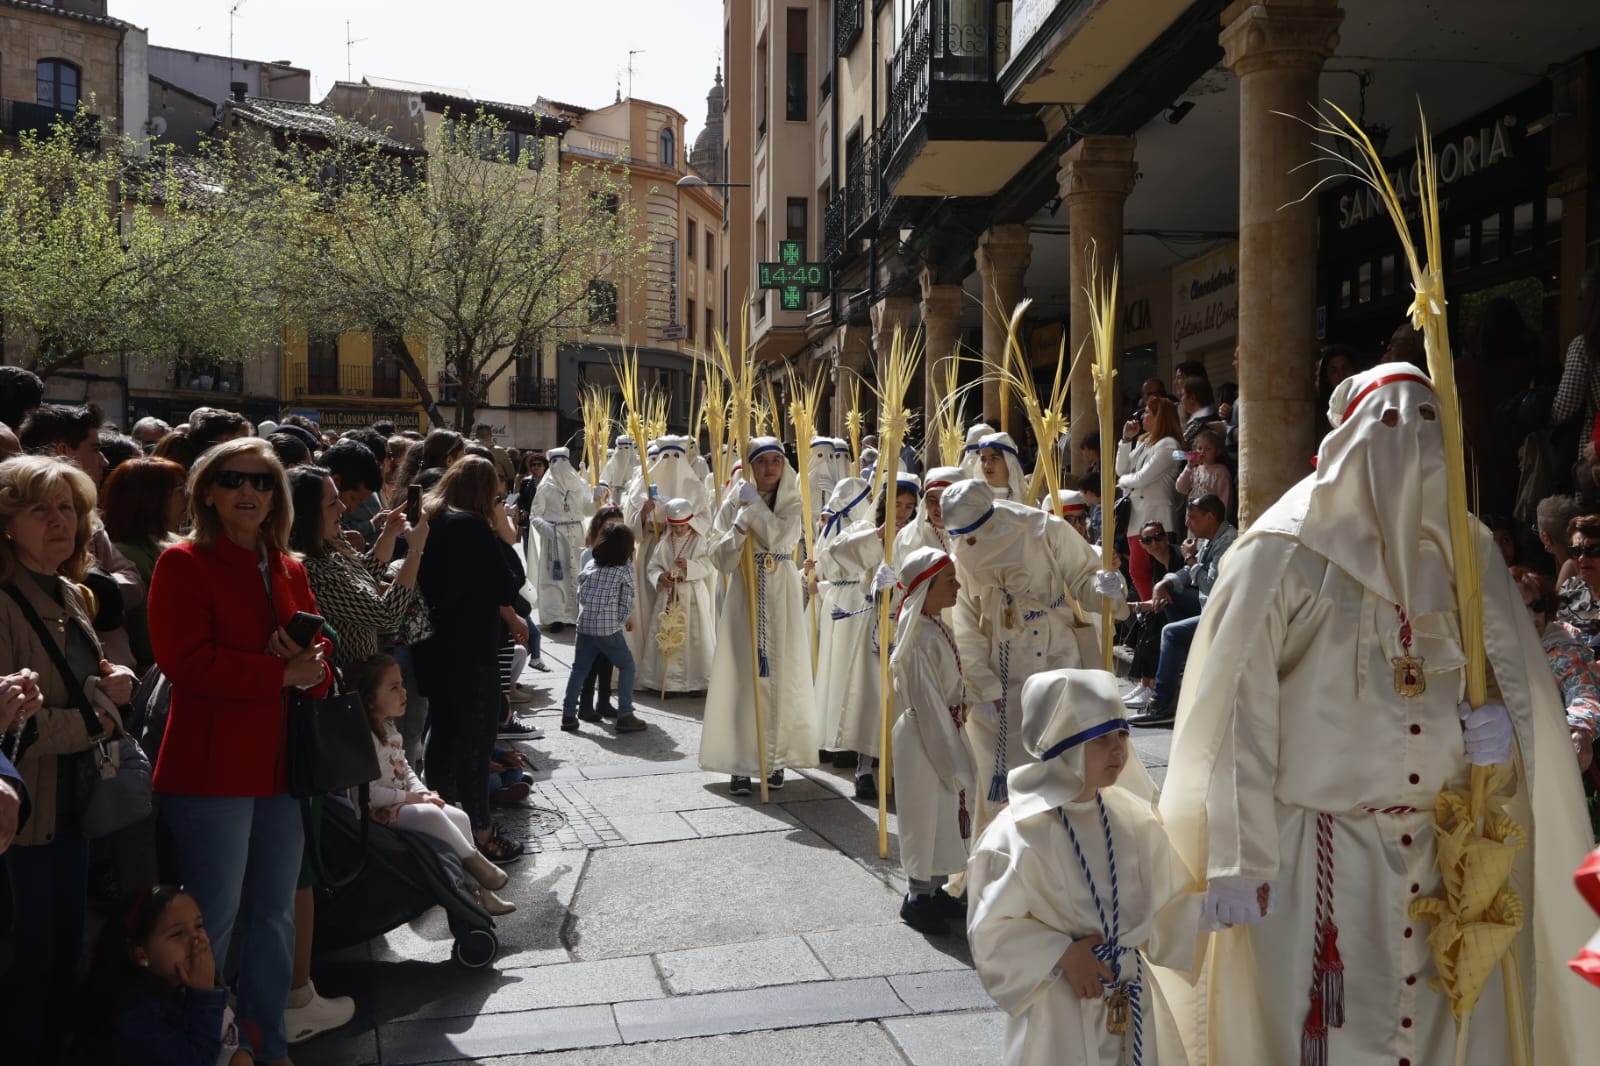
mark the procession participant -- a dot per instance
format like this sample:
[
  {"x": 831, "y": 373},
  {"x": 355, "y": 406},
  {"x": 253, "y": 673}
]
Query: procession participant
[
  {"x": 777, "y": 678},
  {"x": 839, "y": 594},
  {"x": 681, "y": 572},
  {"x": 621, "y": 466},
  {"x": 820, "y": 476},
  {"x": 1000, "y": 466},
  {"x": 933, "y": 771},
  {"x": 697, "y": 461},
  {"x": 926, "y": 530},
  {"x": 556, "y": 517},
  {"x": 669, "y": 477},
  {"x": 1075, "y": 888},
  {"x": 969, "y": 453},
  {"x": 1071, "y": 506},
  {"x": 841, "y": 459},
  {"x": 852, "y": 716},
  {"x": 1318, "y": 723},
  {"x": 1013, "y": 618}
]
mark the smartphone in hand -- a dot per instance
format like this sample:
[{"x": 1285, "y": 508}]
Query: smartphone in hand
[
  {"x": 413, "y": 503},
  {"x": 303, "y": 628}
]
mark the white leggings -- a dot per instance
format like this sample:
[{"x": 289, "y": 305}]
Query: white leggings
[{"x": 447, "y": 824}]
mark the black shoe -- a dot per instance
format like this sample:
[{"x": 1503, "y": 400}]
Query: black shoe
[
  {"x": 569, "y": 725},
  {"x": 922, "y": 914},
  {"x": 845, "y": 760},
  {"x": 588, "y": 716},
  {"x": 867, "y": 789},
  {"x": 954, "y": 908},
  {"x": 739, "y": 786},
  {"x": 1155, "y": 716},
  {"x": 775, "y": 780},
  {"x": 608, "y": 710},
  {"x": 516, "y": 730},
  {"x": 631, "y": 723},
  {"x": 555, "y": 627}
]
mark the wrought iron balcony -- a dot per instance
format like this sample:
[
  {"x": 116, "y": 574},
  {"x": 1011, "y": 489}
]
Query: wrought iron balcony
[
  {"x": 356, "y": 382},
  {"x": 833, "y": 228},
  {"x": 861, "y": 191},
  {"x": 534, "y": 392},
  {"x": 209, "y": 377},
  {"x": 942, "y": 89},
  {"x": 849, "y": 16},
  {"x": 22, "y": 116}
]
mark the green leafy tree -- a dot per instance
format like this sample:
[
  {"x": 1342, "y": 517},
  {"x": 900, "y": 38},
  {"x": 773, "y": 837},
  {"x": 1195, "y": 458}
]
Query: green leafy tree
[
  {"x": 104, "y": 252},
  {"x": 482, "y": 253}
]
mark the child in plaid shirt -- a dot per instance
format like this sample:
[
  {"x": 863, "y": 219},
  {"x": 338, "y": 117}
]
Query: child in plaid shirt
[{"x": 605, "y": 610}]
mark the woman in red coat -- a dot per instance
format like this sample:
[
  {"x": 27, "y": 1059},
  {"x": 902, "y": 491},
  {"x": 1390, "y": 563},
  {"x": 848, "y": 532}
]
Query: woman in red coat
[{"x": 221, "y": 770}]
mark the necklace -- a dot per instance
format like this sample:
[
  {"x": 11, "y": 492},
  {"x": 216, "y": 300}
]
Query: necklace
[
  {"x": 1409, "y": 680},
  {"x": 1123, "y": 999}
]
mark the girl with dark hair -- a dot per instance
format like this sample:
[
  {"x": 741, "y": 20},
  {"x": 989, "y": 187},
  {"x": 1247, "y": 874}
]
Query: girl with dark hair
[
  {"x": 143, "y": 502},
  {"x": 597, "y": 681},
  {"x": 152, "y": 986},
  {"x": 605, "y": 610}
]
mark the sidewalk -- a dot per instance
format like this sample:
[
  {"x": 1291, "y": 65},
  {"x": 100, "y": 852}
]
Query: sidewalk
[{"x": 661, "y": 920}]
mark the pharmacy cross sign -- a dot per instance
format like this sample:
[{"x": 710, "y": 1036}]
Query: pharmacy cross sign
[{"x": 793, "y": 278}]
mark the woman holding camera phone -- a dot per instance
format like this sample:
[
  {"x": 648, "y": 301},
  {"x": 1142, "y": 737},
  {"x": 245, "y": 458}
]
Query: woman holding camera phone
[
  {"x": 1147, "y": 471},
  {"x": 222, "y": 771}
]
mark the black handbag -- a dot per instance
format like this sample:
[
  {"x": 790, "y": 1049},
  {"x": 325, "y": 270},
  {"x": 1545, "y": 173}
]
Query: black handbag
[
  {"x": 329, "y": 749},
  {"x": 113, "y": 785}
]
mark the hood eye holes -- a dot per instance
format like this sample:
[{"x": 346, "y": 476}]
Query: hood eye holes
[
  {"x": 1428, "y": 413},
  {"x": 1390, "y": 417}
]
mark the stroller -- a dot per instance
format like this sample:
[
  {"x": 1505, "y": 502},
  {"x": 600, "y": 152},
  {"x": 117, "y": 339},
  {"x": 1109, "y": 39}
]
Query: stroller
[{"x": 404, "y": 874}]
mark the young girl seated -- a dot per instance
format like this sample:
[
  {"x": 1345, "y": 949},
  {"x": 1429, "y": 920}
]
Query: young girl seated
[
  {"x": 1075, "y": 884},
  {"x": 153, "y": 984},
  {"x": 399, "y": 798}
]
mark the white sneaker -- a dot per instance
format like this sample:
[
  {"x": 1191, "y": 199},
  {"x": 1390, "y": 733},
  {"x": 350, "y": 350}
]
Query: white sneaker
[
  {"x": 521, "y": 694},
  {"x": 1139, "y": 698},
  {"x": 318, "y": 1016}
]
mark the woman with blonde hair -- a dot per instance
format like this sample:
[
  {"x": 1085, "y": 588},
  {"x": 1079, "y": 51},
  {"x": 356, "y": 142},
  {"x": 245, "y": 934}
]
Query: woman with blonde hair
[
  {"x": 1149, "y": 459},
  {"x": 46, "y": 509},
  {"x": 219, "y": 602},
  {"x": 471, "y": 594}
]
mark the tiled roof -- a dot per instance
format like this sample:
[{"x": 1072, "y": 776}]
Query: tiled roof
[
  {"x": 548, "y": 121},
  {"x": 61, "y": 12},
  {"x": 291, "y": 116}
]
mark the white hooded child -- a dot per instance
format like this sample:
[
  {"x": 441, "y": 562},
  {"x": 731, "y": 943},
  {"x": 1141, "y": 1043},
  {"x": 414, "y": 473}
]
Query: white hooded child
[
  {"x": 969, "y": 453},
  {"x": 1000, "y": 465},
  {"x": 839, "y": 594},
  {"x": 1075, "y": 886},
  {"x": 621, "y": 467},
  {"x": 765, "y": 512},
  {"x": 556, "y": 517},
  {"x": 927, "y": 529},
  {"x": 680, "y": 570},
  {"x": 933, "y": 771},
  {"x": 669, "y": 476}
]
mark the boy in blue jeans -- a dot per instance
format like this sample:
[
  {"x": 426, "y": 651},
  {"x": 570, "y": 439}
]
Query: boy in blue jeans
[{"x": 605, "y": 611}]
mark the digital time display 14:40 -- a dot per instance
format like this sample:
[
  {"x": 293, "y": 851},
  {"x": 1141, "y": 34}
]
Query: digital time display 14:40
[{"x": 776, "y": 275}]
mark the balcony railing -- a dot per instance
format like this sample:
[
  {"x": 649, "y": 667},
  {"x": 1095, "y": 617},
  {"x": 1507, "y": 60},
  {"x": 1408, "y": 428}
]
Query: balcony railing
[
  {"x": 209, "y": 377},
  {"x": 357, "y": 382},
  {"x": 849, "y": 18},
  {"x": 909, "y": 73},
  {"x": 533, "y": 392},
  {"x": 597, "y": 145},
  {"x": 23, "y": 116},
  {"x": 833, "y": 239},
  {"x": 861, "y": 191}
]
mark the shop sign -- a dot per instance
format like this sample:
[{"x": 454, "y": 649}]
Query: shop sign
[
  {"x": 1205, "y": 300},
  {"x": 1460, "y": 157},
  {"x": 340, "y": 420},
  {"x": 1027, "y": 16}
]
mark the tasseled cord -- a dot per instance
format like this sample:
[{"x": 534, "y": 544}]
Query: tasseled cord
[
  {"x": 997, "y": 789},
  {"x": 1326, "y": 1008},
  {"x": 1328, "y": 971},
  {"x": 1314, "y": 1037},
  {"x": 963, "y": 815}
]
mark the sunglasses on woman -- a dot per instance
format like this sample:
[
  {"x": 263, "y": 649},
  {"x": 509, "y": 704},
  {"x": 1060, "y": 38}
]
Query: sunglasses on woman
[
  {"x": 1585, "y": 551},
  {"x": 235, "y": 479},
  {"x": 1154, "y": 538}
]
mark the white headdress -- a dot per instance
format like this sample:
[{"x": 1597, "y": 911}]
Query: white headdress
[
  {"x": 914, "y": 573},
  {"x": 1017, "y": 480},
  {"x": 1062, "y": 710}
]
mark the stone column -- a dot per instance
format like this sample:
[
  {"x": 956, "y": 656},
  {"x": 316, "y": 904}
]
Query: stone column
[
  {"x": 941, "y": 332},
  {"x": 1003, "y": 256},
  {"x": 855, "y": 349},
  {"x": 1096, "y": 176},
  {"x": 1277, "y": 50},
  {"x": 887, "y": 313}
]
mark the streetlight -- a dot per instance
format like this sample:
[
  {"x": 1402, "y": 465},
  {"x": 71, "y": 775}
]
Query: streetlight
[{"x": 695, "y": 181}]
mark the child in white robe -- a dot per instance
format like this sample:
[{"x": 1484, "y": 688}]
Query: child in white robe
[
  {"x": 933, "y": 771},
  {"x": 681, "y": 570},
  {"x": 1075, "y": 887}
]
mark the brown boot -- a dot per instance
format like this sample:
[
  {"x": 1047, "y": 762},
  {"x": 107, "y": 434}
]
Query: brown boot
[
  {"x": 486, "y": 873},
  {"x": 492, "y": 903}
]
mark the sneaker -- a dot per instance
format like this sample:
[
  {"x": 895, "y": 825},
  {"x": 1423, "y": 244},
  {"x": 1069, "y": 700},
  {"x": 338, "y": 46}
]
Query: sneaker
[
  {"x": 569, "y": 725},
  {"x": 516, "y": 730},
  {"x": 589, "y": 716},
  {"x": 319, "y": 1015},
  {"x": 1155, "y": 716},
  {"x": 1139, "y": 698},
  {"x": 845, "y": 760},
  {"x": 775, "y": 779},
  {"x": 739, "y": 786},
  {"x": 539, "y": 665},
  {"x": 520, "y": 694},
  {"x": 867, "y": 789},
  {"x": 631, "y": 723},
  {"x": 922, "y": 913}
]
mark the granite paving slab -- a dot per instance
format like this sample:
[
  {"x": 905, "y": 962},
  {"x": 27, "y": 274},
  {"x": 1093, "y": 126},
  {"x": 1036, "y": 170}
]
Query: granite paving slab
[
  {"x": 971, "y": 1039},
  {"x": 855, "y": 1044},
  {"x": 784, "y": 960},
  {"x": 887, "y": 948},
  {"x": 938, "y": 993},
  {"x": 732, "y": 821},
  {"x": 488, "y": 1035},
  {"x": 778, "y": 1007}
]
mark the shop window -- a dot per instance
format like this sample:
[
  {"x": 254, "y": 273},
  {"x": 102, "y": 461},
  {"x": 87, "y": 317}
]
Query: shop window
[
  {"x": 1522, "y": 228},
  {"x": 1461, "y": 247},
  {"x": 1364, "y": 283},
  {"x": 1386, "y": 275},
  {"x": 1344, "y": 292},
  {"x": 1553, "y": 209},
  {"x": 1489, "y": 249}
]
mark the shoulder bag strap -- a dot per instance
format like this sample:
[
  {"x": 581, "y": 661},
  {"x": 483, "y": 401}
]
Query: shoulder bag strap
[{"x": 91, "y": 720}]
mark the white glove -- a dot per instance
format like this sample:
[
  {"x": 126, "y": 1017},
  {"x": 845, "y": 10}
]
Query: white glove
[
  {"x": 739, "y": 520},
  {"x": 1108, "y": 583},
  {"x": 1234, "y": 901},
  {"x": 544, "y": 528},
  {"x": 600, "y": 493},
  {"x": 884, "y": 578},
  {"x": 747, "y": 492},
  {"x": 825, "y": 484},
  {"x": 1487, "y": 732}
]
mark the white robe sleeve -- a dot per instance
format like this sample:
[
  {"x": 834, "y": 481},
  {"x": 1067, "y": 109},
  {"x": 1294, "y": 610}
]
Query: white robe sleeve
[
  {"x": 1013, "y": 951},
  {"x": 918, "y": 681},
  {"x": 983, "y": 684}
]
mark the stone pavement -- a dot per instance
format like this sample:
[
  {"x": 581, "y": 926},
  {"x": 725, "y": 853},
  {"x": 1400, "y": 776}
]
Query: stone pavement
[{"x": 660, "y": 920}]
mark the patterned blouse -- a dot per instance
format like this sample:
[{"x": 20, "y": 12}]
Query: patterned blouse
[
  {"x": 352, "y": 596},
  {"x": 1575, "y": 676},
  {"x": 1581, "y": 610}
]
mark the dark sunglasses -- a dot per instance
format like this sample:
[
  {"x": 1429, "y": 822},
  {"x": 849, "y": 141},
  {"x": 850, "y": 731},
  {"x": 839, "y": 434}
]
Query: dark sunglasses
[
  {"x": 1540, "y": 605},
  {"x": 1154, "y": 538},
  {"x": 235, "y": 479},
  {"x": 1585, "y": 551}
]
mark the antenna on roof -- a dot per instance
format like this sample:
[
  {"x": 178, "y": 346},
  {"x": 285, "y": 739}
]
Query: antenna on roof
[
  {"x": 349, "y": 43},
  {"x": 631, "y": 53},
  {"x": 233, "y": 12}
]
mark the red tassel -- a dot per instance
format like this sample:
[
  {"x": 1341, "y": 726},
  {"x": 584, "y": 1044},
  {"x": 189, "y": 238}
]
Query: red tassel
[
  {"x": 1328, "y": 971},
  {"x": 965, "y": 818},
  {"x": 1314, "y": 1036}
]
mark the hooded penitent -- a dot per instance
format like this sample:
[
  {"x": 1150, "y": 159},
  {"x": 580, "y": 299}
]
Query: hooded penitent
[
  {"x": 555, "y": 537},
  {"x": 1016, "y": 489},
  {"x": 1062, "y": 710},
  {"x": 819, "y": 473},
  {"x": 679, "y": 638},
  {"x": 921, "y": 532},
  {"x": 844, "y": 506},
  {"x": 969, "y": 452},
  {"x": 622, "y": 466}
]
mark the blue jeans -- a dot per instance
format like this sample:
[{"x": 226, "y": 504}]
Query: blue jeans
[
  {"x": 234, "y": 846},
  {"x": 1185, "y": 604},
  {"x": 614, "y": 647},
  {"x": 1175, "y": 641}
]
